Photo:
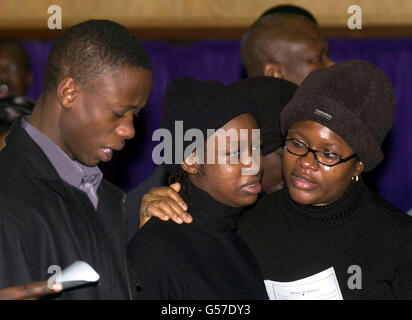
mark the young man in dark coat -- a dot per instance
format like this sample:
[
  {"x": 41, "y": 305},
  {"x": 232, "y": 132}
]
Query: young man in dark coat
[{"x": 55, "y": 206}]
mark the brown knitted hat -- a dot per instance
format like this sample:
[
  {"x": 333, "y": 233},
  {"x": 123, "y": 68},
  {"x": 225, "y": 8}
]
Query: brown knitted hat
[{"x": 354, "y": 99}]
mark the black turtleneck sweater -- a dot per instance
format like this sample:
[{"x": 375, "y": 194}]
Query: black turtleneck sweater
[
  {"x": 293, "y": 241},
  {"x": 202, "y": 260}
]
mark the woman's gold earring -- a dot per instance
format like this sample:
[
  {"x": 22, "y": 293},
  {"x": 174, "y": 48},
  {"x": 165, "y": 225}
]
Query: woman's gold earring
[{"x": 355, "y": 179}]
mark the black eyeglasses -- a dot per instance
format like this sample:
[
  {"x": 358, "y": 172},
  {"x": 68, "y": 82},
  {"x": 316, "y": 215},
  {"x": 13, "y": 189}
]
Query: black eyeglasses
[{"x": 327, "y": 158}]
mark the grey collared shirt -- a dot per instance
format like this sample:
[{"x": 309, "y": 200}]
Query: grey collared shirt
[{"x": 73, "y": 172}]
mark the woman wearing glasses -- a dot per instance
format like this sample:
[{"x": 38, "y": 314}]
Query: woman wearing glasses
[{"x": 326, "y": 219}]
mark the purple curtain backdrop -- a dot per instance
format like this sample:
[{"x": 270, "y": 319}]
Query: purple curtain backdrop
[{"x": 220, "y": 60}]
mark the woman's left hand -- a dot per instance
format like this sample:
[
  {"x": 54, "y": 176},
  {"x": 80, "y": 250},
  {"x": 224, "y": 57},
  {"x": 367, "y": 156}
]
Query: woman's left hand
[{"x": 164, "y": 203}]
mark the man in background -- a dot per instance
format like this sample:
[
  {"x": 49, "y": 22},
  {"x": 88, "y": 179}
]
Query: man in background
[
  {"x": 15, "y": 75},
  {"x": 285, "y": 42}
]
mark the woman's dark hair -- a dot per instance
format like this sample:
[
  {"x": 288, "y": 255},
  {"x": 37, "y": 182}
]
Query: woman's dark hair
[
  {"x": 182, "y": 177},
  {"x": 13, "y": 108}
]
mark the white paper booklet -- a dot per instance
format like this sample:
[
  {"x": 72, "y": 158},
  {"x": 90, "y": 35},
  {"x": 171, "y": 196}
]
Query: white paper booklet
[
  {"x": 320, "y": 286},
  {"x": 77, "y": 274}
]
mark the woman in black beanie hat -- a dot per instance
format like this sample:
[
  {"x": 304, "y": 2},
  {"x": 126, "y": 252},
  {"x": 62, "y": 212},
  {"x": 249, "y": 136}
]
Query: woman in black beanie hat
[
  {"x": 326, "y": 219},
  {"x": 269, "y": 96},
  {"x": 205, "y": 259}
]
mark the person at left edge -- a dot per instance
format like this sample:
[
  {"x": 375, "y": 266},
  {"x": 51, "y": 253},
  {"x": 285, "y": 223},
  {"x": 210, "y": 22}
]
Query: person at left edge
[{"x": 55, "y": 208}]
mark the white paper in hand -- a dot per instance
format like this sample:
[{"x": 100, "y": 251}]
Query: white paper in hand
[
  {"x": 77, "y": 274},
  {"x": 320, "y": 286}
]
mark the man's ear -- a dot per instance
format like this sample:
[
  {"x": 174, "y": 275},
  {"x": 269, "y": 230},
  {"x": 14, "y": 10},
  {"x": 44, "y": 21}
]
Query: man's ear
[
  {"x": 67, "y": 92},
  {"x": 190, "y": 164},
  {"x": 273, "y": 70}
]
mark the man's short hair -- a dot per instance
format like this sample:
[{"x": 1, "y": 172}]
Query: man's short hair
[
  {"x": 287, "y": 8},
  {"x": 257, "y": 40},
  {"x": 90, "y": 48}
]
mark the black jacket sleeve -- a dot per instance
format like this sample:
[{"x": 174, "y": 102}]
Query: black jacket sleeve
[{"x": 16, "y": 262}]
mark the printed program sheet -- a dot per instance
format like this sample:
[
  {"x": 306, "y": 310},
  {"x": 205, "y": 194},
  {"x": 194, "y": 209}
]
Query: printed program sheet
[{"x": 320, "y": 286}]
